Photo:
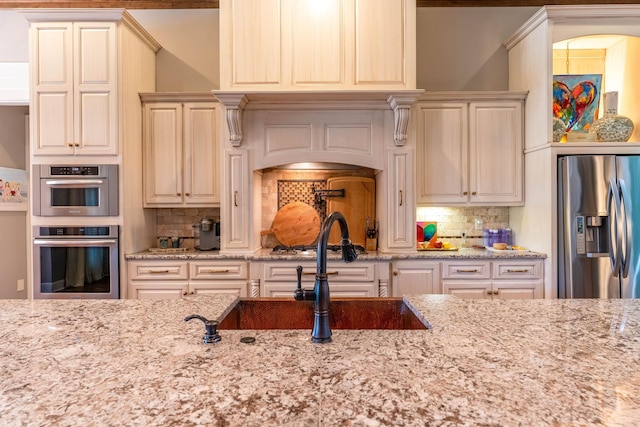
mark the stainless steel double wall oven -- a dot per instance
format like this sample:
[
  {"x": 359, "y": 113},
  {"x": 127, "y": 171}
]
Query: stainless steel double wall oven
[{"x": 79, "y": 260}]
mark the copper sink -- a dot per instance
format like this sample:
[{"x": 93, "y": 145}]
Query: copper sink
[{"x": 345, "y": 313}]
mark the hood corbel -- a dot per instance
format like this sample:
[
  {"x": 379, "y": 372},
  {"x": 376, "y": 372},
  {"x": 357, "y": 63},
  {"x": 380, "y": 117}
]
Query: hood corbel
[
  {"x": 401, "y": 105},
  {"x": 235, "y": 103}
]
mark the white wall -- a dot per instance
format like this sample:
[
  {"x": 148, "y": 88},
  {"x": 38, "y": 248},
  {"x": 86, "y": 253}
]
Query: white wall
[
  {"x": 188, "y": 60},
  {"x": 14, "y": 40},
  {"x": 460, "y": 48},
  {"x": 13, "y": 225}
]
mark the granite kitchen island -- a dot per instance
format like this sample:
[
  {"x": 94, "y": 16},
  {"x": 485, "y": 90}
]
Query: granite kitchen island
[{"x": 133, "y": 362}]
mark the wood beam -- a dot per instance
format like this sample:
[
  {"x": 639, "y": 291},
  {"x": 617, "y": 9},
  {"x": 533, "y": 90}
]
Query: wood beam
[{"x": 214, "y": 4}]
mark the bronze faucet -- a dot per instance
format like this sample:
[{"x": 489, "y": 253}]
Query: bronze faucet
[{"x": 320, "y": 295}]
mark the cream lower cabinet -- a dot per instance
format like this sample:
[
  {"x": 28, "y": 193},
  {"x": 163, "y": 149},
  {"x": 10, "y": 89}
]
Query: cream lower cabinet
[
  {"x": 415, "y": 277},
  {"x": 470, "y": 149},
  {"x": 503, "y": 279},
  {"x": 171, "y": 279},
  {"x": 279, "y": 279},
  {"x": 181, "y": 151}
]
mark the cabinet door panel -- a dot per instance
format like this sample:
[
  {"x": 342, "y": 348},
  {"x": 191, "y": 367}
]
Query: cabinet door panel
[
  {"x": 158, "y": 290},
  {"x": 52, "y": 86},
  {"x": 95, "y": 87},
  {"x": 229, "y": 287},
  {"x": 442, "y": 153},
  {"x": 401, "y": 214},
  {"x": 318, "y": 42},
  {"x": 380, "y": 55},
  {"x": 201, "y": 154},
  {"x": 95, "y": 124},
  {"x": 518, "y": 290},
  {"x": 468, "y": 289},
  {"x": 415, "y": 277},
  {"x": 255, "y": 49},
  {"x": 496, "y": 152},
  {"x": 163, "y": 153},
  {"x": 237, "y": 203}
]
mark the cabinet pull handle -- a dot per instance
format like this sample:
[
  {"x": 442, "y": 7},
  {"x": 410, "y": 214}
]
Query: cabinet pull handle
[
  {"x": 235, "y": 198},
  {"x": 400, "y": 197},
  {"x": 489, "y": 292},
  {"x": 178, "y": 194},
  {"x": 187, "y": 194},
  {"x": 464, "y": 193},
  {"x": 217, "y": 271},
  {"x": 513, "y": 270},
  {"x": 395, "y": 273},
  {"x": 76, "y": 145},
  {"x": 329, "y": 273},
  {"x": 496, "y": 292},
  {"x": 70, "y": 145},
  {"x": 474, "y": 270},
  {"x": 157, "y": 271},
  {"x": 473, "y": 193}
]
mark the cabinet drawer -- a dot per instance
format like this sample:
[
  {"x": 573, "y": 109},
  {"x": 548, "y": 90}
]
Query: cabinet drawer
[
  {"x": 466, "y": 270},
  {"x": 158, "y": 270},
  {"x": 337, "y": 272},
  {"x": 517, "y": 270},
  {"x": 212, "y": 270}
]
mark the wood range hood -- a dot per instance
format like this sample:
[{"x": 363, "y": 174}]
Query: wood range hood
[{"x": 397, "y": 101}]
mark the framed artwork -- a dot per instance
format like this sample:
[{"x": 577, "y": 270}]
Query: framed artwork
[
  {"x": 576, "y": 98},
  {"x": 13, "y": 189}
]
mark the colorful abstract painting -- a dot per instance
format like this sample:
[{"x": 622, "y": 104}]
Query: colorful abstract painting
[{"x": 575, "y": 100}]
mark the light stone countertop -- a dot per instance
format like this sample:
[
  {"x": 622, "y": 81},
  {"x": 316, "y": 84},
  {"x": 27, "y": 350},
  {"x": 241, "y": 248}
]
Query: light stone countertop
[
  {"x": 137, "y": 363},
  {"x": 266, "y": 255}
]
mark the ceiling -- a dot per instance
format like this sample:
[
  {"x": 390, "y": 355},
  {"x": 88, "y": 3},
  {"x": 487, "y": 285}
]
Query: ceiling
[{"x": 213, "y": 4}]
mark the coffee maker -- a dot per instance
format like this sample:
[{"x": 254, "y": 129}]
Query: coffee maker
[{"x": 207, "y": 235}]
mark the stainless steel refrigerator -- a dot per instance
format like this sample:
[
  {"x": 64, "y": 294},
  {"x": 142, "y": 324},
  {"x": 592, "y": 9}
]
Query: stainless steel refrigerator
[{"x": 599, "y": 226}]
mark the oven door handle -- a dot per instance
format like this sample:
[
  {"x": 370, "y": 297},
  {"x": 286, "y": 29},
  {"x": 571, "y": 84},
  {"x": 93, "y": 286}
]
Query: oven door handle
[
  {"x": 54, "y": 182},
  {"x": 74, "y": 242}
]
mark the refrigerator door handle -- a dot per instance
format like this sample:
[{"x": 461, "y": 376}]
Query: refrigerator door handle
[
  {"x": 626, "y": 227},
  {"x": 614, "y": 242}
]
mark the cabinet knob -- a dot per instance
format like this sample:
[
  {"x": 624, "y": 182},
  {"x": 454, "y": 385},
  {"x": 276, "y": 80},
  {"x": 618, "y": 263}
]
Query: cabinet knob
[
  {"x": 474, "y": 193},
  {"x": 465, "y": 193},
  {"x": 489, "y": 292},
  {"x": 187, "y": 194},
  {"x": 76, "y": 145},
  {"x": 496, "y": 292},
  {"x": 395, "y": 273},
  {"x": 178, "y": 194}
]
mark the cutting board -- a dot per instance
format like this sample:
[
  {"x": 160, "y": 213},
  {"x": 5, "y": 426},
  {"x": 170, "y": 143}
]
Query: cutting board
[
  {"x": 295, "y": 224},
  {"x": 358, "y": 203}
]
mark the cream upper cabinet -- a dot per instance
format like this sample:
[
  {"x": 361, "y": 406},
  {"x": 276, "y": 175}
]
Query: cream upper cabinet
[
  {"x": 86, "y": 69},
  {"x": 181, "y": 152},
  {"x": 74, "y": 82},
  {"x": 470, "y": 151},
  {"x": 306, "y": 45}
]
